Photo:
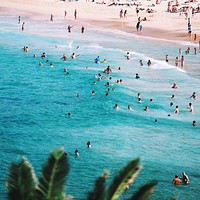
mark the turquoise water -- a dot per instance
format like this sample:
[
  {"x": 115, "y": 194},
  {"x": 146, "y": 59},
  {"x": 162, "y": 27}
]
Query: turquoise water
[{"x": 35, "y": 101}]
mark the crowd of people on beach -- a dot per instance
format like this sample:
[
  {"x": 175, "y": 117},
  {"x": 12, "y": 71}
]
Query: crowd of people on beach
[{"x": 105, "y": 74}]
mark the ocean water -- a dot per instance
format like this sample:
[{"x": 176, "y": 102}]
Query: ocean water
[{"x": 34, "y": 102}]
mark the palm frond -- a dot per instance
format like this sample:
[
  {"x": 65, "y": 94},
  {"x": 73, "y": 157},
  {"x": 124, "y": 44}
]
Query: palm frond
[
  {"x": 21, "y": 181},
  {"x": 125, "y": 177},
  {"x": 145, "y": 192},
  {"x": 99, "y": 188},
  {"x": 52, "y": 180}
]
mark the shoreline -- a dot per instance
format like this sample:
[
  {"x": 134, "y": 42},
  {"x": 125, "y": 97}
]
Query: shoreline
[{"x": 99, "y": 18}]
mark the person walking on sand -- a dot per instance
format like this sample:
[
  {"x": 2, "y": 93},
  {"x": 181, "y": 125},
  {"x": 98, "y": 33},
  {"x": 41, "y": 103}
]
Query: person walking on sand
[
  {"x": 125, "y": 14},
  {"x": 75, "y": 14},
  {"x": 51, "y": 18},
  {"x": 121, "y": 14},
  {"x": 65, "y": 14},
  {"x": 82, "y": 29},
  {"x": 69, "y": 28}
]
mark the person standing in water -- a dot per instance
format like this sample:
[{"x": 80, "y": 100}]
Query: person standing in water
[
  {"x": 23, "y": 25},
  {"x": 19, "y": 20}
]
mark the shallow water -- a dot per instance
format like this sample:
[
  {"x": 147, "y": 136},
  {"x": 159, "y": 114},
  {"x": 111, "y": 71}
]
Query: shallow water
[{"x": 35, "y": 101}]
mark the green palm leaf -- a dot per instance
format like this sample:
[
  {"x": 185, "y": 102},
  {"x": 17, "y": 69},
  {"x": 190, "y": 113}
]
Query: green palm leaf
[
  {"x": 52, "y": 180},
  {"x": 21, "y": 181},
  {"x": 125, "y": 177},
  {"x": 145, "y": 192},
  {"x": 99, "y": 189}
]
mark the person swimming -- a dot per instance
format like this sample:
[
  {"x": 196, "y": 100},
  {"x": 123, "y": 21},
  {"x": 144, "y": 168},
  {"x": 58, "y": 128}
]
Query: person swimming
[
  {"x": 43, "y": 55},
  {"x": 191, "y": 108},
  {"x": 89, "y": 144},
  {"x": 149, "y": 63},
  {"x": 129, "y": 107},
  {"x": 172, "y": 97},
  {"x": 128, "y": 56},
  {"x": 176, "y": 110},
  {"x": 116, "y": 106},
  {"x": 68, "y": 114},
  {"x": 194, "y": 123},
  {"x": 137, "y": 76},
  {"x": 176, "y": 180},
  {"x": 64, "y": 57},
  {"x": 194, "y": 96},
  {"x": 141, "y": 63},
  {"x": 76, "y": 153},
  {"x": 185, "y": 178},
  {"x": 139, "y": 100},
  {"x": 174, "y": 86},
  {"x": 171, "y": 104},
  {"x": 107, "y": 84},
  {"x": 97, "y": 60},
  {"x": 146, "y": 108},
  {"x": 40, "y": 64},
  {"x": 92, "y": 93}
]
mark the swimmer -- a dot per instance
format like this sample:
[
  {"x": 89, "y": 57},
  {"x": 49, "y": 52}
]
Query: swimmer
[
  {"x": 97, "y": 60},
  {"x": 129, "y": 107},
  {"x": 172, "y": 97},
  {"x": 146, "y": 108},
  {"x": 117, "y": 81},
  {"x": 167, "y": 58},
  {"x": 176, "y": 180},
  {"x": 119, "y": 68},
  {"x": 106, "y": 93},
  {"x": 92, "y": 93},
  {"x": 138, "y": 95},
  {"x": 156, "y": 121},
  {"x": 68, "y": 114},
  {"x": 120, "y": 81},
  {"x": 191, "y": 109},
  {"x": 194, "y": 96},
  {"x": 107, "y": 84},
  {"x": 116, "y": 106},
  {"x": 94, "y": 83},
  {"x": 64, "y": 57},
  {"x": 78, "y": 47},
  {"x": 176, "y": 110},
  {"x": 128, "y": 56},
  {"x": 107, "y": 70},
  {"x": 73, "y": 56},
  {"x": 76, "y": 153},
  {"x": 113, "y": 89},
  {"x": 151, "y": 100},
  {"x": 176, "y": 62},
  {"x": 171, "y": 104},
  {"x": 149, "y": 63},
  {"x": 40, "y": 64},
  {"x": 43, "y": 55},
  {"x": 141, "y": 63},
  {"x": 139, "y": 100},
  {"x": 51, "y": 65},
  {"x": 103, "y": 61},
  {"x": 47, "y": 61},
  {"x": 194, "y": 123},
  {"x": 174, "y": 86},
  {"x": 89, "y": 144},
  {"x": 78, "y": 95},
  {"x": 185, "y": 178},
  {"x": 34, "y": 56},
  {"x": 137, "y": 76}
]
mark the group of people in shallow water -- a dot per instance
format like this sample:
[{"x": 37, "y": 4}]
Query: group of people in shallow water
[
  {"x": 76, "y": 152},
  {"x": 184, "y": 179},
  {"x": 108, "y": 70}
]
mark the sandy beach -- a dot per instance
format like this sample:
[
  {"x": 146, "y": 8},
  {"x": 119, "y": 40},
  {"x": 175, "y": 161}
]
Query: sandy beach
[{"x": 159, "y": 24}]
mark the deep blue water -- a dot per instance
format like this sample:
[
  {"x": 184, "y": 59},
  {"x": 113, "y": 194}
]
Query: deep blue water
[{"x": 34, "y": 102}]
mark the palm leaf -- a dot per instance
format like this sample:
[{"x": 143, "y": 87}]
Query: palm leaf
[
  {"x": 99, "y": 189},
  {"x": 52, "y": 180},
  {"x": 145, "y": 192},
  {"x": 21, "y": 181},
  {"x": 125, "y": 177}
]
